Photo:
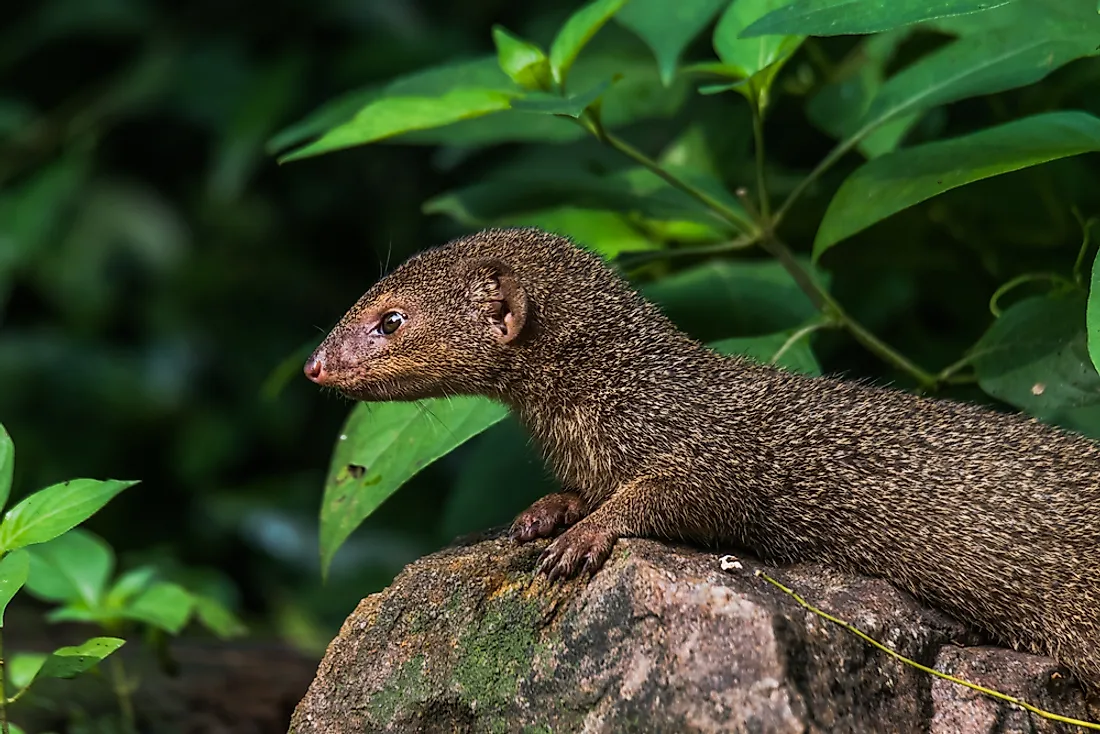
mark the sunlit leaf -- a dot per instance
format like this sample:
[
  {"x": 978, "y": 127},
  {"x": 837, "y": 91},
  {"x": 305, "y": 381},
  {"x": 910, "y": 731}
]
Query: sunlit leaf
[
  {"x": 906, "y": 177},
  {"x": 576, "y": 32},
  {"x": 1035, "y": 356},
  {"x": 391, "y": 116},
  {"x": 129, "y": 585},
  {"x": 798, "y": 357},
  {"x": 605, "y": 232},
  {"x": 14, "y": 568},
  {"x": 7, "y": 465},
  {"x": 22, "y": 667},
  {"x": 524, "y": 62},
  {"x": 668, "y": 27},
  {"x": 850, "y": 17},
  {"x": 382, "y": 446},
  {"x": 72, "y": 567},
  {"x": 53, "y": 510},
  {"x": 66, "y": 662},
  {"x": 757, "y": 60},
  {"x": 164, "y": 605},
  {"x": 1093, "y": 313}
]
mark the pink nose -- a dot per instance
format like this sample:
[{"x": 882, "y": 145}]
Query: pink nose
[{"x": 315, "y": 369}]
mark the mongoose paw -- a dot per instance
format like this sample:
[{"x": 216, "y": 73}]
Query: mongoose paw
[
  {"x": 543, "y": 518},
  {"x": 579, "y": 549}
]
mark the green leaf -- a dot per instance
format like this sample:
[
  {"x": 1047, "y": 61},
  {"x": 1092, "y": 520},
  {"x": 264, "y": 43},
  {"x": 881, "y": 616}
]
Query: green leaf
[
  {"x": 50, "y": 512},
  {"x": 332, "y": 113},
  {"x": 391, "y": 116},
  {"x": 605, "y": 232},
  {"x": 742, "y": 298},
  {"x": 7, "y": 465},
  {"x": 570, "y": 105},
  {"x": 851, "y": 17},
  {"x": 164, "y": 605},
  {"x": 13, "y": 728},
  {"x": 23, "y": 667},
  {"x": 576, "y": 32},
  {"x": 668, "y": 27},
  {"x": 14, "y": 568},
  {"x": 1093, "y": 313},
  {"x": 898, "y": 180},
  {"x": 750, "y": 56},
  {"x": 983, "y": 64},
  {"x": 71, "y": 568},
  {"x": 523, "y": 62},
  {"x": 217, "y": 618},
  {"x": 798, "y": 357},
  {"x": 1035, "y": 357},
  {"x": 382, "y": 446},
  {"x": 129, "y": 585},
  {"x": 67, "y": 662}
]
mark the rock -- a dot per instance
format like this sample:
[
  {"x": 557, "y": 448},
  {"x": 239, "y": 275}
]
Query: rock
[{"x": 660, "y": 640}]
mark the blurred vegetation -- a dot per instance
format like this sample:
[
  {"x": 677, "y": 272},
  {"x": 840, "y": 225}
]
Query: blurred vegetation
[{"x": 162, "y": 277}]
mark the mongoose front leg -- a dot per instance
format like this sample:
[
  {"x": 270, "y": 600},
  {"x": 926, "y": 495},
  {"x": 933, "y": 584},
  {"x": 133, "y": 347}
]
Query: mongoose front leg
[
  {"x": 549, "y": 513},
  {"x": 631, "y": 511}
]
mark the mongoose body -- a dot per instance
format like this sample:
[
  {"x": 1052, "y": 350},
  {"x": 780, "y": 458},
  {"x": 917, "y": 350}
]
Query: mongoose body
[{"x": 993, "y": 517}]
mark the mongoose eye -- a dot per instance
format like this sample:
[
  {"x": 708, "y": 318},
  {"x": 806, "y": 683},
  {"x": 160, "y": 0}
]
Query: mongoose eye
[{"x": 390, "y": 322}]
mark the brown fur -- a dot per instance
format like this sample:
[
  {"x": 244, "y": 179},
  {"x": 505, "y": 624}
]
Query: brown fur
[{"x": 993, "y": 517}]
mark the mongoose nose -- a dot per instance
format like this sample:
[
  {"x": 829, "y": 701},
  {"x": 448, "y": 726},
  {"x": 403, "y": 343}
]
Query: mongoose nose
[{"x": 315, "y": 370}]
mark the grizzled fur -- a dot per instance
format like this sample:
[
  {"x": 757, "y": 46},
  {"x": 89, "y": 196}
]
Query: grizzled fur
[{"x": 993, "y": 517}]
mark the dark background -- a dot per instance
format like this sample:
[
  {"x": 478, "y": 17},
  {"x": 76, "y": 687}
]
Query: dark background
[{"x": 162, "y": 278}]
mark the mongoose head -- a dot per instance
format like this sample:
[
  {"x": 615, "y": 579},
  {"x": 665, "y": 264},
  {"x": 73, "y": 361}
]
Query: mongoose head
[{"x": 446, "y": 322}]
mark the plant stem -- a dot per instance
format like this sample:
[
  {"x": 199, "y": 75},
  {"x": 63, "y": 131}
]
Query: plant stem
[
  {"x": 121, "y": 686},
  {"x": 799, "y": 336},
  {"x": 758, "y": 144},
  {"x": 3, "y": 691}
]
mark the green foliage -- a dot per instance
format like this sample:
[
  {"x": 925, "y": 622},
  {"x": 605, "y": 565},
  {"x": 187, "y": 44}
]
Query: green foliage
[
  {"x": 382, "y": 446},
  {"x": 50, "y": 512},
  {"x": 671, "y": 221},
  {"x": 14, "y": 569}
]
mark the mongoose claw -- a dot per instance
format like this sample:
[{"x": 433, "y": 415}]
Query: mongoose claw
[
  {"x": 543, "y": 518},
  {"x": 578, "y": 549}
]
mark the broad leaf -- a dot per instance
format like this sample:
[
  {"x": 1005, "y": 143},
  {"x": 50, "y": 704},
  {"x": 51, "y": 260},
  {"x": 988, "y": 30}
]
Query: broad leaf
[
  {"x": 7, "y": 465},
  {"x": 799, "y": 357},
  {"x": 50, "y": 512},
  {"x": 982, "y": 64},
  {"x": 382, "y": 446},
  {"x": 66, "y": 662},
  {"x": 576, "y": 32},
  {"x": 164, "y": 605},
  {"x": 14, "y": 568},
  {"x": 605, "y": 232},
  {"x": 128, "y": 586},
  {"x": 745, "y": 298},
  {"x": 569, "y": 105},
  {"x": 521, "y": 60},
  {"x": 892, "y": 182},
  {"x": 850, "y": 17},
  {"x": 217, "y": 618},
  {"x": 391, "y": 116},
  {"x": 668, "y": 27},
  {"x": 1093, "y": 313},
  {"x": 754, "y": 59},
  {"x": 332, "y": 113},
  {"x": 71, "y": 568},
  {"x": 1035, "y": 357}
]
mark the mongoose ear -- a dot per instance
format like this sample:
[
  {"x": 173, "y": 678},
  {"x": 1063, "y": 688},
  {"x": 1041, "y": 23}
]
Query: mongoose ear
[{"x": 500, "y": 299}]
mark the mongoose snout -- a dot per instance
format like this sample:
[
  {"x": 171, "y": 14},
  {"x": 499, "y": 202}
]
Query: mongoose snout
[{"x": 993, "y": 517}]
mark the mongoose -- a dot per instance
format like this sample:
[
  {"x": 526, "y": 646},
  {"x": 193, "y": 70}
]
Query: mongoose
[{"x": 993, "y": 517}]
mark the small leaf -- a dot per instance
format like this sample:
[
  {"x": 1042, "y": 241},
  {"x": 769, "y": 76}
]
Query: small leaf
[
  {"x": 898, "y": 180},
  {"x": 385, "y": 444},
  {"x": 668, "y": 27},
  {"x": 50, "y": 512},
  {"x": 1093, "y": 313},
  {"x": 391, "y": 116},
  {"x": 1035, "y": 357},
  {"x": 164, "y": 605},
  {"x": 14, "y": 569},
  {"x": 799, "y": 357},
  {"x": 66, "y": 662},
  {"x": 129, "y": 585},
  {"x": 217, "y": 618},
  {"x": 570, "y": 105},
  {"x": 13, "y": 728},
  {"x": 523, "y": 62},
  {"x": 576, "y": 32},
  {"x": 750, "y": 56},
  {"x": 851, "y": 17},
  {"x": 70, "y": 568},
  {"x": 23, "y": 667},
  {"x": 7, "y": 465}
]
